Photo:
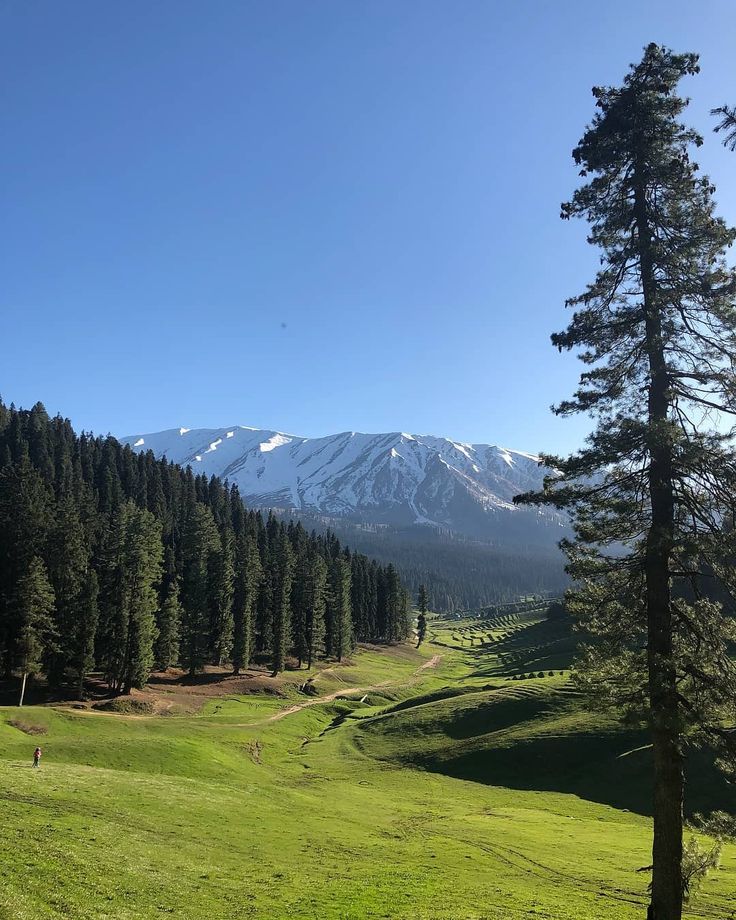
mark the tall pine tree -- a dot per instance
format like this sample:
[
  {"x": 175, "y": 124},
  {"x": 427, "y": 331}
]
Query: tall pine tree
[
  {"x": 422, "y": 602},
  {"x": 248, "y": 573},
  {"x": 34, "y": 603},
  {"x": 282, "y": 573},
  {"x": 650, "y": 492},
  {"x": 199, "y": 543}
]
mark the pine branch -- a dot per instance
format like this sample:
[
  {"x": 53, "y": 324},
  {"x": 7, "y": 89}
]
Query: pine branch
[{"x": 727, "y": 123}]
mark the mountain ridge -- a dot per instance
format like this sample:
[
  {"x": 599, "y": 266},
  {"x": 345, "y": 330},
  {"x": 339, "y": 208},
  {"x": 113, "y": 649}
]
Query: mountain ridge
[{"x": 394, "y": 478}]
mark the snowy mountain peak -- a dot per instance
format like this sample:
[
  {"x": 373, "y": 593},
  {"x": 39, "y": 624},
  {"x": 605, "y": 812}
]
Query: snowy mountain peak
[{"x": 396, "y": 477}]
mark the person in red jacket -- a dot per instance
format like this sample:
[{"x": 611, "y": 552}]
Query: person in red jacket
[{"x": 37, "y": 757}]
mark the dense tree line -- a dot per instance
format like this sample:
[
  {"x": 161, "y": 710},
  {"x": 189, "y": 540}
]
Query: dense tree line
[
  {"x": 115, "y": 561},
  {"x": 458, "y": 573}
]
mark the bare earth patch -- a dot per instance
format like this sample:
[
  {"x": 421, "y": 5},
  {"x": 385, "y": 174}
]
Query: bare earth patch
[
  {"x": 432, "y": 663},
  {"x": 27, "y": 728}
]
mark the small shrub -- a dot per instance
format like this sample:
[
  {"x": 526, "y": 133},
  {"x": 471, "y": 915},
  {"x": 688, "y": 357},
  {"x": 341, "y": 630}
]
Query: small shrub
[
  {"x": 697, "y": 863},
  {"x": 541, "y": 674}
]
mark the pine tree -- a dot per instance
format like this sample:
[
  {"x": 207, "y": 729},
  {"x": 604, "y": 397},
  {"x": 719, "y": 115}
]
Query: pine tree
[
  {"x": 248, "y": 573},
  {"x": 221, "y": 583},
  {"x": 314, "y": 599},
  {"x": 341, "y": 641},
  {"x": 422, "y": 602},
  {"x": 68, "y": 557},
  {"x": 143, "y": 563},
  {"x": 395, "y": 607},
  {"x": 166, "y": 650},
  {"x": 299, "y": 606},
  {"x": 282, "y": 572},
  {"x": 199, "y": 542},
  {"x": 132, "y": 570},
  {"x": 25, "y": 518},
  {"x": 657, "y": 329},
  {"x": 112, "y": 635},
  {"x": 85, "y": 629},
  {"x": 265, "y": 600},
  {"x": 34, "y": 603}
]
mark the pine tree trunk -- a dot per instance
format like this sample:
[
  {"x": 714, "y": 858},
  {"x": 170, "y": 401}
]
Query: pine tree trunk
[
  {"x": 666, "y": 897},
  {"x": 23, "y": 689}
]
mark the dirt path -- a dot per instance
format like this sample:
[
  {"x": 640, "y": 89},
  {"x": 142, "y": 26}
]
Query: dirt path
[
  {"x": 297, "y": 707},
  {"x": 432, "y": 663}
]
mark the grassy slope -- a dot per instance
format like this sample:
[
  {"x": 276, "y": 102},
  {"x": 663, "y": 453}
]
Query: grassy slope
[{"x": 431, "y": 799}]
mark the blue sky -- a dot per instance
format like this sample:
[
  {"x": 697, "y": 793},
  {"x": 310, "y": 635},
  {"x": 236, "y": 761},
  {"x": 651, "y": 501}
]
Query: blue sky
[{"x": 312, "y": 216}]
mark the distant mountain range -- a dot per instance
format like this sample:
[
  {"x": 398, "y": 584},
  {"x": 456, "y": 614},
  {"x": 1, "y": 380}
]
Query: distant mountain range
[
  {"x": 395, "y": 478},
  {"x": 440, "y": 509}
]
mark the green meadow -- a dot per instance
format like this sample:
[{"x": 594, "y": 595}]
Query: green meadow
[{"x": 443, "y": 786}]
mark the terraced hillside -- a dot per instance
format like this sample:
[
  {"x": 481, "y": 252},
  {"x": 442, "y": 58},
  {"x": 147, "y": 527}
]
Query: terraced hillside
[{"x": 435, "y": 784}]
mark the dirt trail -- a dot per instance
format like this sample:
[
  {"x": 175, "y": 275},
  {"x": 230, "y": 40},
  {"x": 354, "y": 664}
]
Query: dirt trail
[
  {"x": 297, "y": 707},
  {"x": 432, "y": 663},
  {"x": 289, "y": 710}
]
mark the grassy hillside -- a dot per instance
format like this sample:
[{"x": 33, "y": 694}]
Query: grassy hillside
[{"x": 440, "y": 789}]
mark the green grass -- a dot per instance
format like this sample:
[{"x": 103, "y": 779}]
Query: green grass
[{"x": 449, "y": 793}]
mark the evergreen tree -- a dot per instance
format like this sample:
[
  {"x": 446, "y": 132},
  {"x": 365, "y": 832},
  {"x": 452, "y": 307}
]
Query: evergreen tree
[
  {"x": 657, "y": 329},
  {"x": 422, "y": 602},
  {"x": 282, "y": 572},
  {"x": 341, "y": 642},
  {"x": 248, "y": 573},
  {"x": 395, "y": 625},
  {"x": 166, "y": 651},
  {"x": 200, "y": 541},
  {"x": 314, "y": 600},
  {"x": 143, "y": 558},
  {"x": 85, "y": 629},
  {"x": 265, "y": 601},
  {"x": 112, "y": 634},
  {"x": 34, "y": 602},
  {"x": 222, "y": 578},
  {"x": 299, "y": 606},
  {"x": 129, "y": 597},
  {"x": 25, "y": 518},
  {"x": 68, "y": 556}
]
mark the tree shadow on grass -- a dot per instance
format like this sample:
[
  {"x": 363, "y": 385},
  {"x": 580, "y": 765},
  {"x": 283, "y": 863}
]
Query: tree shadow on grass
[
  {"x": 611, "y": 768},
  {"x": 543, "y": 646},
  {"x": 532, "y": 737}
]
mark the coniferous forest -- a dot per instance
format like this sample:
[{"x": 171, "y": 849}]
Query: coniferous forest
[{"x": 115, "y": 562}]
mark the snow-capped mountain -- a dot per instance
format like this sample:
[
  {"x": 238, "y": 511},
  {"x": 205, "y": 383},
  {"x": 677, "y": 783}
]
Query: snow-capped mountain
[{"x": 395, "y": 478}]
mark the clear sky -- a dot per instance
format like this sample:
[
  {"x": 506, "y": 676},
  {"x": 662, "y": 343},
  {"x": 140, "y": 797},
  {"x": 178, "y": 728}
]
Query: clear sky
[{"x": 311, "y": 215}]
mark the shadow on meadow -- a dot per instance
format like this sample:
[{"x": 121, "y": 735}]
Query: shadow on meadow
[
  {"x": 542, "y": 646},
  {"x": 528, "y": 737}
]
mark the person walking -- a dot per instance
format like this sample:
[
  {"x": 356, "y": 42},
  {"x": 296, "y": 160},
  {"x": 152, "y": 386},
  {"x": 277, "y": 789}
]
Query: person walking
[{"x": 37, "y": 758}]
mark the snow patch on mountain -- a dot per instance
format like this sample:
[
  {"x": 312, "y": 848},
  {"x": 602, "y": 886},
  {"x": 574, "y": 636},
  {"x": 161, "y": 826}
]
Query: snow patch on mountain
[{"x": 395, "y": 477}]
